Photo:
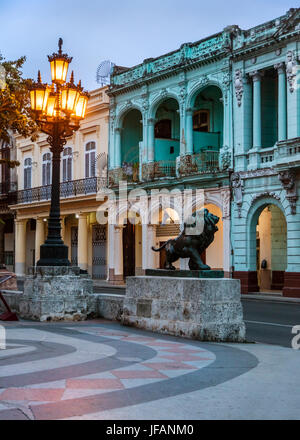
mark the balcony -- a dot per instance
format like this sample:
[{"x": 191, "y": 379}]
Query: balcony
[
  {"x": 69, "y": 189},
  {"x": 206, "y": 162},
  {"x": 287, "y": 154}
]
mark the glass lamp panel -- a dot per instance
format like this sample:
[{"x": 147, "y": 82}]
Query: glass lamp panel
[
  {"x": 51, "y": 105},
  {"x": 59, "y": 70},
  {"x": 81, "y": 107},
  {"x": 72, "y": 99},
  {"x": 47, "y": 91},
  {"x": 32, "y": 99},
  {"x": 64, "y": 98}
]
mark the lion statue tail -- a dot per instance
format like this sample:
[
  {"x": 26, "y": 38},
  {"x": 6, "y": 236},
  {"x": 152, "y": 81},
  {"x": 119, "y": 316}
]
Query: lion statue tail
[{"x": 160, "y": 248}]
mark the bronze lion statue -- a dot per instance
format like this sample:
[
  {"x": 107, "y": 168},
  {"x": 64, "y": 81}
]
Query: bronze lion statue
[{"x": 190, "y": 244}]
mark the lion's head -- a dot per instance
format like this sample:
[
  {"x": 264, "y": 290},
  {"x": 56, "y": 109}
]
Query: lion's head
[{"x": 200, "y": 222}]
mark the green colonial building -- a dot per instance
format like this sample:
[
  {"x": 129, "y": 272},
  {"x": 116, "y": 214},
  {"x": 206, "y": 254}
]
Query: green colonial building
[{"x": 219, "y": 120}]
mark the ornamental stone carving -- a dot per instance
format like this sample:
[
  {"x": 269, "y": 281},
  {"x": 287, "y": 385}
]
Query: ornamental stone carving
[
  {"x": 225, "y": 158},
  {"x": 237, "y": 186},
  {"x": 288, "y": 182},
  {"x": 239, "y": 86},
  {"x": 225, "y": 196},
  {"x": 291, "y": 69}
]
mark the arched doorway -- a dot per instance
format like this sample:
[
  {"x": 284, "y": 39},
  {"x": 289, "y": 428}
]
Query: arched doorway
[
  {"x": 131, "y": 136},
  {"x": 167, "y": 137},
  {"x": 271, "y": 248},
  {"x": 208, "y": 122}
]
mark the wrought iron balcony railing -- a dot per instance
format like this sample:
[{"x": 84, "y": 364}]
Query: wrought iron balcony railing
[
  {"x": 72, "y": 188},
  {"x": 165, "y": 168}
]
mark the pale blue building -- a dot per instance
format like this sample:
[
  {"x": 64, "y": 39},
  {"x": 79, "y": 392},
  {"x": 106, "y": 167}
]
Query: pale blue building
[{"x": 223, "y": 115}]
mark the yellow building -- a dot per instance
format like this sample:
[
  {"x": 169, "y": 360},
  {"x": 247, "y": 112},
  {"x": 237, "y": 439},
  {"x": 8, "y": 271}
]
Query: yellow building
[{"x": 83, "y": 171}]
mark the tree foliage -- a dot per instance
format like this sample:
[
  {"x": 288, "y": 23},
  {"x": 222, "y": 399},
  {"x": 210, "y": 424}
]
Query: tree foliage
[{"x": 15, "y": 112}]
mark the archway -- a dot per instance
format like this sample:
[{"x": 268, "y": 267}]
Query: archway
[
  {"x": 167, "y": 135},
  {"x": 270, "y": 230},
  {"x": 207, "y": 120},
  {"x": 131, "y": 136}
]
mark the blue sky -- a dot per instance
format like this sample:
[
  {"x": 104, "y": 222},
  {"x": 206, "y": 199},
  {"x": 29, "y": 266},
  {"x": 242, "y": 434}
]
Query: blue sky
[{"x": 124, "y": 31}]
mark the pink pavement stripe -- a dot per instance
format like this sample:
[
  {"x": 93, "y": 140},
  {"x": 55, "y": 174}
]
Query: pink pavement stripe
[
  {"x": 169, "y": 366},
  {"x": 183, "y": 350},
  {"x": 186, "y": 358},
  {"x": 41, "y": 395},
  {"x": 138, "y": 339},
  {"x": 165, "y": 344},
  {"x": 139, "y": 374},
  {"x": 96, "y": 384}
]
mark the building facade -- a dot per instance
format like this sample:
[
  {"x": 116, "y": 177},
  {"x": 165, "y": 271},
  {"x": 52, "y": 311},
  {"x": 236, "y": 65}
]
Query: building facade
[
  {"x": 220, "y": 115},
  {"x": 83, "y": 172}
]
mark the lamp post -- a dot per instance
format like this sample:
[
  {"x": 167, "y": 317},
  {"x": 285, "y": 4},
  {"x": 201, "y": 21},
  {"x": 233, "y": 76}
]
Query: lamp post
[{"x": 58, "y": 109}]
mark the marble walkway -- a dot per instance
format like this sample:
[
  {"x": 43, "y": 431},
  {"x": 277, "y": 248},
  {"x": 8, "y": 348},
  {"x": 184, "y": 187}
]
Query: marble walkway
[{"x": 101, "y": 370}]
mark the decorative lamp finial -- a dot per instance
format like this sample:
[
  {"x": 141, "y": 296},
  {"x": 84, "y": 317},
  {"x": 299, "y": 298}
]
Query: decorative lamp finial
[
  {"x": 39, "y": 78},
  {"x": 72, "y": 77},
  {"x": 60, "y": 43}
]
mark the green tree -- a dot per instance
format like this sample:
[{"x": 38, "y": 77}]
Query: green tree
[{"x": 15, "y": 112}]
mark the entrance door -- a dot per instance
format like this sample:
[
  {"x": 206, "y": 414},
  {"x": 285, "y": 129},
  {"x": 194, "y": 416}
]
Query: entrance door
[
  {"x": 129, "y": 250},
  {"x": 74, "y": 245},
  {"x": 99, "y": 252}
]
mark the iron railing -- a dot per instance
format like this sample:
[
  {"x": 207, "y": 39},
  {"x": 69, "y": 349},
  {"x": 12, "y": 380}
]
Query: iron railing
[
  {"x": 73, "y": 188},
  {"x": 165, "y": 168},
  {"x": 205, "y": 162}
]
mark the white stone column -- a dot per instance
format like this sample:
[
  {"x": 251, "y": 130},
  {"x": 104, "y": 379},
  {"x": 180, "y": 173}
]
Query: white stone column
[
  {"x": 118, "y": 158},
  {"x": 151, "y": 140},
  {"x": 151, "y": 241},
  {"x": 189, "y": 131},
  {"x": 82, "y": 241},
  {"x": 118, "y": 250},
  {"x": 63, "y": 228},
  {"x": 111, "y": 251},
  {"x": 20, "y": 247},
  {"x": 39, "y": 237},
  {"x": 282, "y": 110},
  {"x": 225, "y": 197},
  {"x": 256, "y": 77}
]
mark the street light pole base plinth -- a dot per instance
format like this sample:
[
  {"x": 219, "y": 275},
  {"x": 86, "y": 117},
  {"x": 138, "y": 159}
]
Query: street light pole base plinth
[
  {"x": 61, "y": 293},
  {"x": 53, "y": 255}
]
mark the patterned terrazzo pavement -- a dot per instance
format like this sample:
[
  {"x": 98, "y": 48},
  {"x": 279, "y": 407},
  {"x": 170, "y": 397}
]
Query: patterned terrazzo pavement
[{"x": 101, "y": 370}]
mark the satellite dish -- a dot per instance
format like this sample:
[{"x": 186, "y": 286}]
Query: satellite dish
[{"x": 104, "y": 71}]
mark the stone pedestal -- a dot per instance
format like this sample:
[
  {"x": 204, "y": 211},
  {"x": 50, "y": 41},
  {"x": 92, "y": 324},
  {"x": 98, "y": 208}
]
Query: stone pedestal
[
  {"x": 198, "y": 308},
  {"x": 56, "y": 293}
]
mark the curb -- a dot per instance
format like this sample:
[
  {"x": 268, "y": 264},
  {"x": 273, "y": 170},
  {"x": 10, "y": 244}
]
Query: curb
[{"x": 269, "y": 298}]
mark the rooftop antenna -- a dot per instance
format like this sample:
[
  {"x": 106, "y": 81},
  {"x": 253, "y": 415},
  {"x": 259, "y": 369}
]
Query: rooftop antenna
[{"x": 104, "y": 71}]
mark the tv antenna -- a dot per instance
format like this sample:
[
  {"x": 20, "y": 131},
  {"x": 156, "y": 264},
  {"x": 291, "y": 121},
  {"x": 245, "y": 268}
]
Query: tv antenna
[{"x": 104, "y": 71}]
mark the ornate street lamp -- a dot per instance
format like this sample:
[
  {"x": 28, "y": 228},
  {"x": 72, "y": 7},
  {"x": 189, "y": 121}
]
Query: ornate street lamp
[{"x": 58, "y": 108}]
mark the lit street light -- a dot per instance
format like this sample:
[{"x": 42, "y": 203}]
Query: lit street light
[{"x": 58, "y": 108}]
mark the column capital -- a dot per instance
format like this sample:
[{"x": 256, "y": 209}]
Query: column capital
[
  {"x": 151, "y": 121},
  {"x": 151, "y": 227},
  {"x": 21, "y": 221},
  {"x": 82, "y": 215},
  {"x": 280, "y": 67},
  {"x": 119, "y": 228},
  {"x": 118, "y": 129},
  {"x": 189, "y": 111},
  {"x": 256, "y": 75}
]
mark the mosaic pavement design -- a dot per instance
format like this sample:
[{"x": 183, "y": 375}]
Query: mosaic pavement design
[{"x": 60, "y": 371}]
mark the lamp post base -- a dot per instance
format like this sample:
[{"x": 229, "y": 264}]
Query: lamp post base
[{"x": 53, "y": 255}]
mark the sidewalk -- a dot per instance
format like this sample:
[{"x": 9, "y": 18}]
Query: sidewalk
[{"x": 102, "y": 370}]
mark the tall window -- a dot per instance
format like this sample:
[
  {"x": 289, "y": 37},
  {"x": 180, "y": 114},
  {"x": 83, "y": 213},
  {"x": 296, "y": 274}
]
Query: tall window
[
  {"x": 46, "y": 169},
  {"x": 90, "y": 159},
  {"x": 27, "y": 173},
  {"x": 163, "y": 129},
  {"x": 201, "y": 120},
  {"x": 67, "y": 164}
]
